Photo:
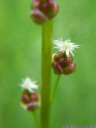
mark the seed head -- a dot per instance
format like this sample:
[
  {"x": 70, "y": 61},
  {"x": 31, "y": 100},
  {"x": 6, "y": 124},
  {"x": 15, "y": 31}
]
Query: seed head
[
  {"x": 30, "y": 101},
  {"x": 62, "y": 61},
  {"x": 43, "y": 11},
  {"x": 62, "y": 64}
]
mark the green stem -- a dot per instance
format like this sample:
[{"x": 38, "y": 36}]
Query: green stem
[
  {"x": 46, "y": 73},
  {"x": 55, "y": 88},
  {"x": 35, "y": 120}
]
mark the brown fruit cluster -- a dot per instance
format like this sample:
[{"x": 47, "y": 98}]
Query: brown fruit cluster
[
  {"x": 30, "y": 100},
  {"x": 43, "y": 11},
  {"x": 62, "y": 64}
]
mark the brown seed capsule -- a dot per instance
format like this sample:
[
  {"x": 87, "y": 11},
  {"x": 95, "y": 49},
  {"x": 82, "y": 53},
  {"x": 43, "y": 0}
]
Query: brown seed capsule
[
  {"x": 45, "y": 8},
  {"x": 54, "y": 8},
  {"x": 43, "y": 11},
  {"x": 56, "y": 57},
  {"x": 70, "y": 69},
  {"x": 25, "y": 98},
  {"x": 35, "y": 96},
  {"x": 38, "y": 16},
  {"x": 57, "y": 68},
  {"x": 67, "y": 63},
  {"x": 62, "y": 62},
  {"x": 32, "y": 106}
]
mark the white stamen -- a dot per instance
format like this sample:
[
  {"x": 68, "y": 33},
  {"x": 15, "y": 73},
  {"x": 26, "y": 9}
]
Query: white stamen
[
  {"x": 67, "y": 46},
  {"x": 29, "y": 85}
]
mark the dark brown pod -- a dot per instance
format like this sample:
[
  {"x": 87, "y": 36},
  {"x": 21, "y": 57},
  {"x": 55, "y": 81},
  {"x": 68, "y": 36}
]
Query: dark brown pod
[
  {"x": 54, "y": 8},
  {"x": 70, "y": 69},
  {"x": 35, "y": 96},
  {"x": 57, "y": 57},
  {"x": 62, "y": 62},
  {"x": 32, "y": 106},
  {"x": 38, "y": 16},
  {"x": 43, "y": 11},
  {"x": 57, "y": 68},
  {"x": 25, "y": 98}
]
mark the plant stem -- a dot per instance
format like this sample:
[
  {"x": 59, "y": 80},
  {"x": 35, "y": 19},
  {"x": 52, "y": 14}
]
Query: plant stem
[
  {"x": 44, "y": 0},
  {"x": 46, "y": 73},
  {"x": 55, "y": 88},
  {"x": 35, "y": 120}
]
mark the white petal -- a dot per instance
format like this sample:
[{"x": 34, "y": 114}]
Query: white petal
[
  {"x": 66, "y": 46},
  {"x": 29, "y": 85},
  {"x": 72, "y": 53},
  {"x": 67, "y": 52}
]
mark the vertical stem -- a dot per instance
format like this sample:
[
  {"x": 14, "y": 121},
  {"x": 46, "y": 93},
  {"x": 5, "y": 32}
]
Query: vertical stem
[
  {"x": 35, "y": 120},
  {"x": 44, "y": 0},
  {"x": 55, "y": 88},
  {"x": 46, "y": 73}
]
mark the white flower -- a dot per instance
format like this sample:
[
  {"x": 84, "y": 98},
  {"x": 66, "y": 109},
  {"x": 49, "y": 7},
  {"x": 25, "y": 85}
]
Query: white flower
[
  {"x": 67, "y": 46},
  {"x": 29, "y": 85}
]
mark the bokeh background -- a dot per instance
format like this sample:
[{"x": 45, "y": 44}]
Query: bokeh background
[{"x": 20, "y": 56}]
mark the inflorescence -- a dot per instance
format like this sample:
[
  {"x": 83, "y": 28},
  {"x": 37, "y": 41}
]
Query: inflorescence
[
  {"x": 62, "y": 61},
  {"x": 30, "y": 99},
  {"x": 43, "y": 11}
]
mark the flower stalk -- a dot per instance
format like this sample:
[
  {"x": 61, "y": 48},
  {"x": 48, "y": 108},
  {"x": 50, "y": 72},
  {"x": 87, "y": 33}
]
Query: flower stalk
[
  {"x": 43, "y": 0},
  {"x": 35, "y": 120},
  {"x": 55, "y": 88},
  {"x": 46, "y": 72}
]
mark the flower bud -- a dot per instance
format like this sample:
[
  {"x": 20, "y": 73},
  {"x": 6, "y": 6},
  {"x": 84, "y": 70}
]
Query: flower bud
[
  {"x": 62, "y": 64},
  {"x": 56, "y": 57},
  {"x": 43, "y": 11},
  {"x": 38, "y": 16},
  {"x": 25, "y": 98},
  {"x": 54, "y": 8},
  {"x": 65, "y": 61},
  {"x": 32, "y": 106},
  {"x": 70, "y": 69},
  {"x": 35, "y": 96},
  {"x": 30, "y": 98},
  {"x": 57, "y": 68},
  {"x": 50, "y": 8}
]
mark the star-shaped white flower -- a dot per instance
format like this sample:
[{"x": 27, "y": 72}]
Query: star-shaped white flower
[
  {"x": 29, "y": 85},
  {"x": 67, "y": 46}
]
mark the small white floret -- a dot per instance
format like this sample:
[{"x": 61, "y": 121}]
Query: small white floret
[
  {"x": 29, "y": 85},
  {"x": 67, "y": 46}
]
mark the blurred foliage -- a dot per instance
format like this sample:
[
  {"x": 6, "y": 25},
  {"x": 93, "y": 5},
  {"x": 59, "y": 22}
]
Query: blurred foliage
[{"x": 20, "y": 55}]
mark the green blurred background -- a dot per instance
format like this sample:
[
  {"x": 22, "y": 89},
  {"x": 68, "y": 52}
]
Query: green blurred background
[{"x": 20, "y": 56}]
